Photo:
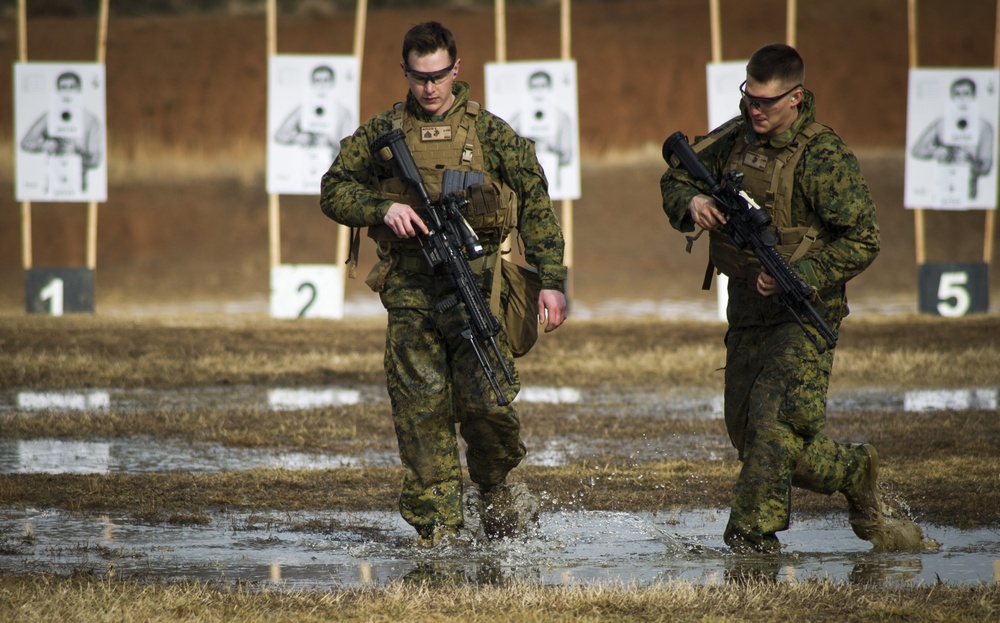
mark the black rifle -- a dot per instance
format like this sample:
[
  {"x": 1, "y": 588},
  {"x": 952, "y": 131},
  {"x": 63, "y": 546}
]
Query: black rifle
[
  {"x": 448, "y": 235},
  {"x": 748, "y": 227}
]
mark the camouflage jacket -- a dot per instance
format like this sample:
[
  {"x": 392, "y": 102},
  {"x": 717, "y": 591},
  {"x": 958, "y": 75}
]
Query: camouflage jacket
[
  {"x": 829, "y": 184},
  {"x": 346, "y": 195}
]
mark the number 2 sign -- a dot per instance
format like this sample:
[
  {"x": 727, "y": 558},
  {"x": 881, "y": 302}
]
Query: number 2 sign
[{"x": 307, "y": 291}]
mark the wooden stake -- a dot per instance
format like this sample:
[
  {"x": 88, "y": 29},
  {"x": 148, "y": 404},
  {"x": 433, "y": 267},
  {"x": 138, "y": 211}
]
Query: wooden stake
[
  {"x": 102, "y": 46},
  {"x": 991, "y": 214},
  {"x": 500, "y": 29},
  {"x": 565, "y": 31},
  {"x": 715, "y": 27},
  {"x": 273, "y": 199},
  {"x": 791, "y": 19},
  {"x": 918, "y": 213},
  {"x": 567, "y": 204},
  {"x": 22, "y": 55}
]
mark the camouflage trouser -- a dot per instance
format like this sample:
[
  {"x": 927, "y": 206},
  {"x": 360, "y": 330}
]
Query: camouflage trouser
[
  {"x": 775, "y": 409},
  {"x": 435, "y": 381}
]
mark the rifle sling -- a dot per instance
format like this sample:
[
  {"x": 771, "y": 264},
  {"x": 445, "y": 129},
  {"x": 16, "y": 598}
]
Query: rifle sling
[
  {"x": 353, "y": 253},
  {"x": 706, "y": 284}
]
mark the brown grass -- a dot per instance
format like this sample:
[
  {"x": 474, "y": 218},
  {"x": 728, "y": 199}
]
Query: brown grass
[
  {"x": 28, "y": 599},
  {"x": 93, "y": 351}
]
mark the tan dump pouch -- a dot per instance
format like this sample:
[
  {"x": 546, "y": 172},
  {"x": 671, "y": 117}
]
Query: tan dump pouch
[
  {"x": 524, "y": 286},
  {"x": 730, "y": 261},
  {"x": 794, "y": 243},
  {"x": 492, "y": 209},
  {"x": 377, "y": 275}
]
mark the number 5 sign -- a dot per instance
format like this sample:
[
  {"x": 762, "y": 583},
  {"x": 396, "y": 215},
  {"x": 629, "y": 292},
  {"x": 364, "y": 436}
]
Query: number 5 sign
[
  {"x": 954, "y": 290},
  {"x": 306, "y": 291}
]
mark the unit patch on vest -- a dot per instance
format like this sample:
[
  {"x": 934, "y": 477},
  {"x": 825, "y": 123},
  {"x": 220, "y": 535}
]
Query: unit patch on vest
[
  {"x": 755, "y": 160},
  {"x": 436, "y": 133}
]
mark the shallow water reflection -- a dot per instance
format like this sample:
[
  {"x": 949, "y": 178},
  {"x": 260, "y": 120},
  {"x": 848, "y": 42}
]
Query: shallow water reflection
[
  {"x": 683, "y": 402},
  {"x": 137, "y": 455},
  {"x": 323, "y": 550},
  {"x": 375, "y": 548},
  {"x": 147, "y": 454}
]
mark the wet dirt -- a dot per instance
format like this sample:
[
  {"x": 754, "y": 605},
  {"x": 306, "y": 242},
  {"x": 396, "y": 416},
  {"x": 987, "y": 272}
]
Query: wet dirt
[
  {"x": 573, "y": 547},
  {"x": 320, "y": 549}
]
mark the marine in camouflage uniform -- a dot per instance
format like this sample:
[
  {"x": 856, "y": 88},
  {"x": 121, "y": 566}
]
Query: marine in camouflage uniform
[
  {"x": 434, "y": 379},
  {"x": 775, "y": 379}
]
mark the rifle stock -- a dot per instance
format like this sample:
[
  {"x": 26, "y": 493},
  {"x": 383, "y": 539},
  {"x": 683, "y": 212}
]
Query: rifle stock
[
  {"x": 748, "y": 227},
  {"x": 448, "y": 235}
]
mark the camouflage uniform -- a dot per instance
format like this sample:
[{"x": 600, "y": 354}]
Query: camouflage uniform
[
  {"x": 433, "y": 377},
  {"x": 776, "y": 381}
]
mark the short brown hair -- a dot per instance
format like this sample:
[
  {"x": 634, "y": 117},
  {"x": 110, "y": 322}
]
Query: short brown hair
[
  {"x": 428, "y": 38},
  {"x": 777, "y": 61}
]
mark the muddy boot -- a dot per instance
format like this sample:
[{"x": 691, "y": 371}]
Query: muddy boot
[
  {"x": 740, "y": 544},
  {"x": 508, "y": 511},
  {"x": 873, "y": 518},
  {"x": 427, "y": 539}
]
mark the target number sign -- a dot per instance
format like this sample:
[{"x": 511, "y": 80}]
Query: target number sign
[
  {"x": 307, "y": 291},
  {"x": 58, "y": 291},
  {"x": 954, "y": 290}
]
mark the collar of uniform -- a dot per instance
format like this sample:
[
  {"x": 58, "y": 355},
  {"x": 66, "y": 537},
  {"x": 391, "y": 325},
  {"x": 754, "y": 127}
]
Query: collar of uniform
[{"x": 459, "y": 88}]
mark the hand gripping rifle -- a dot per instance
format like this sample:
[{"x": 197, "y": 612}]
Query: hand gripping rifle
[
  {"x": 448, "y": 235},
  {"x": 749, "y": 228}
]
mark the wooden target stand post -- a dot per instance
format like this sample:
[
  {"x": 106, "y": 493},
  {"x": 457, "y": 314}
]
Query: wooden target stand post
[
  {"x": 723, "y": 83},
  {"x": 565, "y": 32},
  {"x": 951, "y": 289},
  {"x": 307, "y": 290},
  {"x": 55, "y": 291}
]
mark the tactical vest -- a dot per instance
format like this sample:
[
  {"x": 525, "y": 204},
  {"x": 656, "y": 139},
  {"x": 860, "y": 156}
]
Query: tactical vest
[
  {"x": 449, "y": 147},
  {"x": 769, "y": 178}
]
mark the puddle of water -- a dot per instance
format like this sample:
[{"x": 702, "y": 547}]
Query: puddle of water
[
  {"x": 54, "y": 456},
  {"x": 137, "y": 455},
  {"x": 282, "y": 399},
  {"x": 685, "y": 402},
  {"x": 549, "y": 395},
  {"x": 950, "y": 399},
  {"x": 573, "y": 548},
  {"x": 68, "y": 401}
]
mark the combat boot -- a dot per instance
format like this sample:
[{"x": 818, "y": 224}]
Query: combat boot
[
  {"x": 427, "y": 539},
  {"x": 508, "y": 511},
  {"x": 874, "y": 519}
]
